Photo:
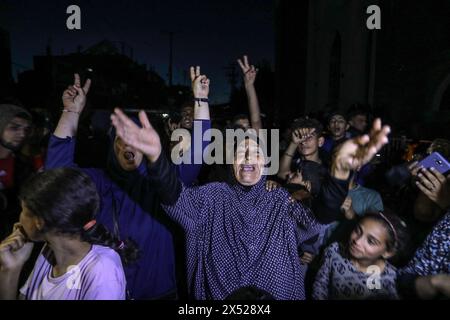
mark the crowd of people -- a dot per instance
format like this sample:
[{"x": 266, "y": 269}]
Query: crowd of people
[{"x": 336, "y": 221}]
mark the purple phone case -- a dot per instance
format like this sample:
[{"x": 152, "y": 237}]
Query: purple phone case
[{"x": 436, "y": 161}]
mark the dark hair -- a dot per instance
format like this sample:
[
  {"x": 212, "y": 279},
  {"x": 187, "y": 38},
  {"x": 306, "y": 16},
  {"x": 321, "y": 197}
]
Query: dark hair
[
  {"x": 357, "y": 109},
  {"x": 398, "y": 237},
  {"x": 249, "y": 293},
  {"x": 308, "y": 123},
  {"x": 336, "y": 113},
  {"x": 25, "y": 116},
  {"x": 67, "y": 199}
]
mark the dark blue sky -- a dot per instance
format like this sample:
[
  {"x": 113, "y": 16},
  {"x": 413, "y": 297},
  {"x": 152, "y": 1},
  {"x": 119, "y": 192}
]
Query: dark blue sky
[{"x": 211, "y": 33}]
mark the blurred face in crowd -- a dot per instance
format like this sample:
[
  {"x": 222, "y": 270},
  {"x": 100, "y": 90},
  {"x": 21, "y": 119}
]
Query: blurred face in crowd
[
  {"x": 187, "y": 117},
  {"x": 248, "y": 163},
  {"x": 242, "y": 123},
  {"x": 368, "y": 241},
  {"x": 359, "y": 122},
  {"x": 337, "y": 126},
  {"x": 310, "y": 146},
  {"x": 15, "y": 133},
  {"x": 129, "y": 158}
]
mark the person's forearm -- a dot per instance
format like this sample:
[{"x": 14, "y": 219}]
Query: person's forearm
[
  {"x": 424, "y": 288},
  {"x": 67, "y": 125},
  {"x": 9, "y": 282},
  {"x": 286, "y": 161},
  {"x": 201, "y": 111},
  {"x": 253, "y": 104},
  {"x": 164, "y": 179},
  {"x": 338, "y": 172}
]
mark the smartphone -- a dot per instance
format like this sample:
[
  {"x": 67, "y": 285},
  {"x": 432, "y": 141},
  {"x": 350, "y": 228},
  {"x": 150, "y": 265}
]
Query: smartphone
[{"x": 436, "y": 161}]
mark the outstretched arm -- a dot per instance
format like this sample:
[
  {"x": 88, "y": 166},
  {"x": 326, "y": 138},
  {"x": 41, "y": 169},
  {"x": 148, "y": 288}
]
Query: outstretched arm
[
  {"x": 200, "y": 89},
  {"x": 355, "y": 153},
  {"x": 146, "y": 140},
  {"x": 188, "y": 173},
  {"x": 250, "y": 73},
  {"x": 182, "y": 204},
  {"x": 74, "y": 100},
  {"x": 350, "y": 156},
  {"x": 61, "y": 147}
]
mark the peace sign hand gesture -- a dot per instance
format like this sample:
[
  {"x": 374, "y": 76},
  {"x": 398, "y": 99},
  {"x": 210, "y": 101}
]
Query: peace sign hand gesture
[
  {"x": 200, "y": 83},
  {"x": 249, "y": 71},
  {"x": 74, "y": 97}
]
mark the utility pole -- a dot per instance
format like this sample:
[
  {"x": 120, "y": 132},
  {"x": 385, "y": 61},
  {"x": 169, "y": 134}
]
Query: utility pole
[
  {"x": 170, "y": 74},
  {"x": 171, "y": 59}
]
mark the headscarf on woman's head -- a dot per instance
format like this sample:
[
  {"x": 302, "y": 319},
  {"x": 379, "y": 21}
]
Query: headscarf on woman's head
[
  {"x": 134, "y": 183},
  {"x": 232, "y": 181}
]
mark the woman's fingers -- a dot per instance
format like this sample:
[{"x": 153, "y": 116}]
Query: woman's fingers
[
  {"x": 192, "y": 71},
  {"x": 77, "y": 82},
  {"x": 87, "y": 86},
  {"x": 241, "y": 64},
  {"x": 144, "y": 120},
  {"x": 424, "y": 177},
  {"x": 438, "y": 176},
  {"x": 424, "y": 189}
]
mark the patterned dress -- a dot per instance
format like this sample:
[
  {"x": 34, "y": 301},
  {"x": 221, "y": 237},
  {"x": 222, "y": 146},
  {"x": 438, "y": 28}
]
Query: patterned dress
[
  {"x": 238, "y": 237},
  {"x": 338, "y": 279},
  {"x": 433, "y": 257}
]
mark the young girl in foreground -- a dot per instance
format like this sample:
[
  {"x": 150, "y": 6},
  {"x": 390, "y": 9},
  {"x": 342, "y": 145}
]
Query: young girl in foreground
[
  {"x": 359, "y": 269},
  {"x": 78, "y": 261}
]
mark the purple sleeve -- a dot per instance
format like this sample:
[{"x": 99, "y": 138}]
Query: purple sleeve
[
  {"x": 188, "y": 173},
  {"x": 60, "y": 153},
  {"x": 104, "y": 280},
  {"x": 106, "y": 285},
  {"x": 188, "y": 211}
]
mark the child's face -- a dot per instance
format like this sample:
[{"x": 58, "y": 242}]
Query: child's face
[
  {"x": 310, "y": 145},
  {"x": 368, "y": 241}
]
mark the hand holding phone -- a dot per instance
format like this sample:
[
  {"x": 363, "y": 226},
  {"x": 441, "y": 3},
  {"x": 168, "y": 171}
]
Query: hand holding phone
[
  {"x": 437, "y": 161},
  {"x": 434, "y": 184}
]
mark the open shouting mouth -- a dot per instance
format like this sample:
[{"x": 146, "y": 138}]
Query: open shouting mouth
[
  {"x": 248, "y": 168},
  {"x": 129, "y": 156}
]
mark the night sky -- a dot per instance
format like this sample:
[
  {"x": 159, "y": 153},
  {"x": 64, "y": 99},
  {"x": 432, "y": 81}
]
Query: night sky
[{"x": 209, "y": 33}]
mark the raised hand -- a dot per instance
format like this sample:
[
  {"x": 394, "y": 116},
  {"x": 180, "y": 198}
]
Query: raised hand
[
  {"x": 302, "y": 134},
  {"x": 307, "y": 258},
  {"x": 272, "y": 185},
  {"x": 145, "y": 139},
  {"x": 200, "y": 83},
  {"x": 414, "y": 168},
  {"x": 249, "y": 71},
  {"x": 355, "y": 153},
  {"x": 74, "y": 97},
  {"x": 15, "y": 250},
  {"x": 435, "y": 186},
  {"x": 347, "y": 208}
]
